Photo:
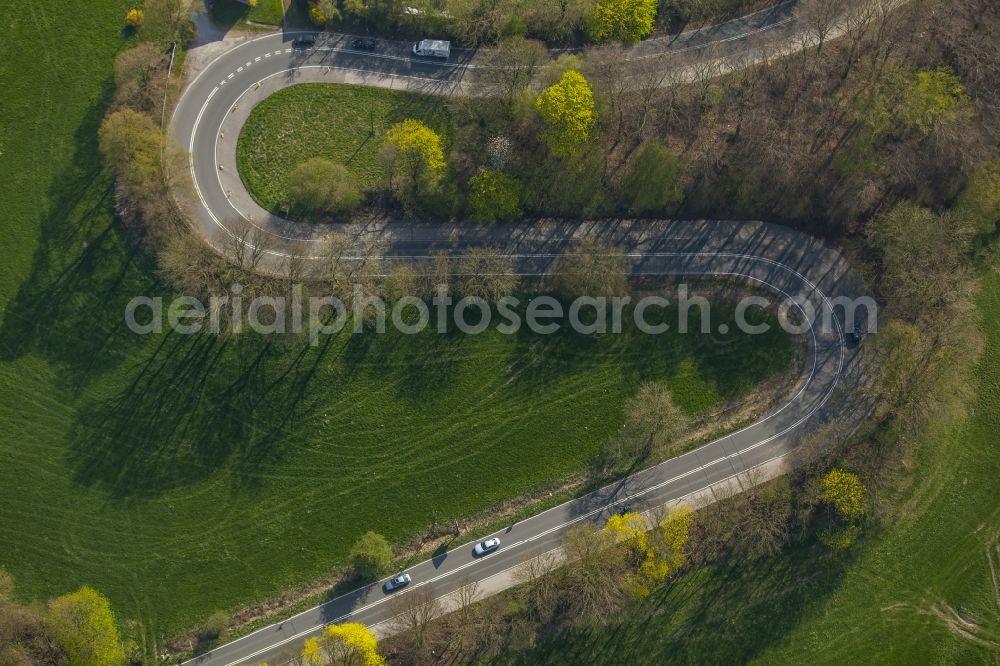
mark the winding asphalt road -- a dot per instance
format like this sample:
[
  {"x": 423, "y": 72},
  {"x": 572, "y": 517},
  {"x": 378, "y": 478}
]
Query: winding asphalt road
[{"x": 795, "y": 267}]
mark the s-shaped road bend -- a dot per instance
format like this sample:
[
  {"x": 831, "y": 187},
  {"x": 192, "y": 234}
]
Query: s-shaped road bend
[{"x": 791, "y": 265}]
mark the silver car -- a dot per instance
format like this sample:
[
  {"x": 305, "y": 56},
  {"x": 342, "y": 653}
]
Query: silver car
[
  {"x": 487, "y": 546},
  {"x": 396, "y": 583}
]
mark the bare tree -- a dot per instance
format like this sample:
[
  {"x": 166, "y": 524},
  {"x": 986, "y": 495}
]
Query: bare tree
[
  {"x": 511, "y": 67},
  {"x": 652, "y": 419},
  {"x": 141, "y": 77},
  {"x": 486, "y": 272},
  {"x": 244, "y": 243},
  {"x": 591, "y": 268},
  {"x": 413, "y": 613},
  {"x": 591, "y": 585},
  {"x": 296, "y": 262},
  {"x": 542, "y": 590},
  {"x": 819, "y": 17},
  {"x": 466, "y": 596},
  {"x": 188, "y": 265},
  {"x": 434, "y": 274},
  {"x": 350, "y": 256}
]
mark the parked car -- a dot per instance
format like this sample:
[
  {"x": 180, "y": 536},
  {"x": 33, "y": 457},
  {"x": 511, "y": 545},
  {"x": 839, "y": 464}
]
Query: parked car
[
  {"x": 304, "y": 42},
  {"x": 432, "y": 47},
  {"x": 396, "y": 583},
  {"x": 484, "y": 547},
  {"x": 364, "y": 44}
]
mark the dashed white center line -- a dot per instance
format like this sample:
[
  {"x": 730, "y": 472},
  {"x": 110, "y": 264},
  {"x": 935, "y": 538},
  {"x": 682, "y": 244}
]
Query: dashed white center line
[
  {"x": 231, "y": 75},
  {"x": 257, "y": 59},
  {"x": 248, "y": 64},
  {"x": 239, "y": 69},
  {"x": 267, "y": 55},
  {"x": 288, "y": 50}
]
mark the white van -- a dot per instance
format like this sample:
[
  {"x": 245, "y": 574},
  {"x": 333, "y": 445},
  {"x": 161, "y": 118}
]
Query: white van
[{"x": 432, "y": 47}]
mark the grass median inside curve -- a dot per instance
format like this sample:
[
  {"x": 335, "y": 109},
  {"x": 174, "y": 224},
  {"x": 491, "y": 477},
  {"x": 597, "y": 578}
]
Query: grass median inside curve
[{"x": 345, "y": 124}]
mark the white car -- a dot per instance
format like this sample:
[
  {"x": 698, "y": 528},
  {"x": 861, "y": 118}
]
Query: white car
[
  {"x": 436, "y": 48},
  {"x": 396, "y": 583},
  {"x": 484, "y": 547}
]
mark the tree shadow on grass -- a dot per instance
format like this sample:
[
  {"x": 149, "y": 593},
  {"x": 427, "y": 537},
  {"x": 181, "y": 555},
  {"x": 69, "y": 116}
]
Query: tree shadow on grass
[
  {"x": 70, "y": 308},
  {"x": 195, "y": 404},
  {"x": 179, "y": 406},
  {"x": 727, "y": 370}
]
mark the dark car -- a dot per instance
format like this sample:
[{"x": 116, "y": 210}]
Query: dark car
[
  {"x": 857, "y": 333},
  {"x": 364, "y": 44},
  {"x": 304, "y": 42}
]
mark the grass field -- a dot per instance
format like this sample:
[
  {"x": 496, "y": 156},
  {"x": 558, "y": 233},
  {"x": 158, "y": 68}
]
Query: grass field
[
  {"x": 343, "y": 123},
  {"x": 230, "y": 12},
  {"x": 181, "y": 475},
  {"x": 889, "y": 603}
]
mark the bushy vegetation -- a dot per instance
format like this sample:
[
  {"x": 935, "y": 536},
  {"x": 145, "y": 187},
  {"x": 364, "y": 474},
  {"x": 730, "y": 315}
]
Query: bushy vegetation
[
  {"x": 343, "y": 644},
  {"x": 78, "y": 629}
]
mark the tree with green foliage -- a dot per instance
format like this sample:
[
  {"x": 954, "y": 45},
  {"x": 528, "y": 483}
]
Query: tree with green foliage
[
  {"x": 625, "y": 20},
  {"x": 920, "y": 257},
  {"x": 900, "y": 103},
  {"x": 931, "y": 96},
  {"x": 131, "y": 143},
  {"x": 654, "y": 182},
  {"x": 844, "y": 491},
  {"x": 371, "y": 555},
  {"x": 83, "y": 625},
  {"x": 322, "y": 186},
  {"x": 494, "y": 195},
  {"x": 349, "y": 644},
  {"x": 415, "y": 151},
  {"x": 919, "y": 100},
  {"x": 978, "y": 207},
  {"x": 568, "y": 110},
  {"x": 896, "y": 355},
  {"x": 213, "y": 627}
]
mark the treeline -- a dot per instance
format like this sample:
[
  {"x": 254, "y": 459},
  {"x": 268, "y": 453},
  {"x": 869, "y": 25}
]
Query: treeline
[
  {"x": 604, "y": 571},
  {"x": 824, "y": 139},
  {"x": 484, "y": 22}
]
